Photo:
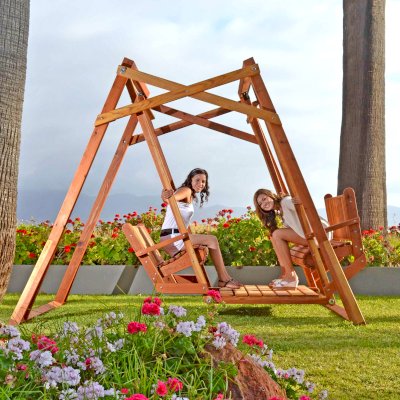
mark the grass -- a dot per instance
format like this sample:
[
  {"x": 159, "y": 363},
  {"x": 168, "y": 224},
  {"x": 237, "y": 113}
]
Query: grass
[{"x": 351, "y": 362}]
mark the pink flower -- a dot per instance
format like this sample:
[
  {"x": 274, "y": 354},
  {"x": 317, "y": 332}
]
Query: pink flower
[
  {"x": 134, "y": 327},
  {"x": 124, "y": 391},
  {"x": 251, "y": 340},
  {"x": 175, "y": 384},
  {"x": 44, "y": 343},
  {"x": 219, "y": 397},
  {"x": 137, "y": 396},
  {"x": 150, "y": 309},
  {"x": 161, "y": 389},
  {"x": 304, "y": 397},
  {"x": 156, "y": 300},
  {"x": 215, "y": 295}
]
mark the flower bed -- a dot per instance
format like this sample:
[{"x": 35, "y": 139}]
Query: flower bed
[
  {"x": 243, "y": 240},
  {"x": 156, "y": 353}
]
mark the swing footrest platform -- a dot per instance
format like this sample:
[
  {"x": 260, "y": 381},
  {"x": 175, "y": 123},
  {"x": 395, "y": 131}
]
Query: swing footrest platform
[{"x": 263, "y": 294}]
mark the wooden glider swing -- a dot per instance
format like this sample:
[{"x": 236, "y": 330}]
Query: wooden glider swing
[{"x": 320, "y": 260}]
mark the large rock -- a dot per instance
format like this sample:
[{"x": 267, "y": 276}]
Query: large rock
[{"x": 252, "y": 381}]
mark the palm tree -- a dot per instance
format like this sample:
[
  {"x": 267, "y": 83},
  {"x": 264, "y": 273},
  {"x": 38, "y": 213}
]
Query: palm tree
[
  {"x": 362, "y": 141},
  {"x": 14, "y": 28}
]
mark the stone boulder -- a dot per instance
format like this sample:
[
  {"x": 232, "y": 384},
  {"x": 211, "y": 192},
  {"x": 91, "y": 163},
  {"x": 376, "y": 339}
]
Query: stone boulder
[{"x": 252, "y": 381}]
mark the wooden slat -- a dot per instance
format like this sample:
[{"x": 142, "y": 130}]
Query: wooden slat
[
  {"x": 253, "y": 290},
  {"x": 246, "y": 109},
  {"x": 266, "y": 290},
  {"x": 183, "y": 288},
  {"x": 172, "y": 95},
  {"x": 306, "y": 290},
  {"x": 241, "y": 291}
]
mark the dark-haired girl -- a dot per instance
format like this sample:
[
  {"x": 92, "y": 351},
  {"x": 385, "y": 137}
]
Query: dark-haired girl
[
  {"x": 268, "y": 205},
  {"x": 195, "y": 183}
]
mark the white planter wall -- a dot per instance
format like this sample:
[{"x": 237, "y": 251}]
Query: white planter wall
[{"x": 121, "y": 279}]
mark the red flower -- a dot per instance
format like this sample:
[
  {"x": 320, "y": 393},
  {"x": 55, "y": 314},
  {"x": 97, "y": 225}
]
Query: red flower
[
  {"x": 77, "y": 219},
  {"x": 137, "y": 396},
  {"x": 251, "y": 340},
  {"x": 252, "y": 248},
  {"x": 226, "y": 225},
  {"x": 175, "y": 384},
  {"x": 163, "y": 205},
  {"x": 131, "y": 250},
  {"x": 124, "y": 391},
  {"x": 114, "y": 235},
  {"x": 45, "y": 343},
  {"x": 156, "y": 300},
  {"x": 381, "y": 228},
  {"x": 151, "y": 309},
  {"x": 117, "y": 215},
  {"x": 67, "y": 249},
  {"x": 135, "y": 327},
  {"x": 32, "y": 255},
  {"x": 215, "y": 295},
  {"x": 161, "y": 389}
]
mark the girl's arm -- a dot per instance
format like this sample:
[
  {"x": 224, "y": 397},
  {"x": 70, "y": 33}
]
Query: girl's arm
[{"x": 181, "y": 194}]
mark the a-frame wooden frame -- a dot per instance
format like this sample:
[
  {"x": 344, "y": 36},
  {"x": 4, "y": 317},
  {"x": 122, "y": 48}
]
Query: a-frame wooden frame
[{"x": 140, "y": 111}]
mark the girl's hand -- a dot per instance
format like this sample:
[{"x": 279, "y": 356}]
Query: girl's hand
[
  {"x": 296, "y": 201},
  {"x": 166, "y": 194}
]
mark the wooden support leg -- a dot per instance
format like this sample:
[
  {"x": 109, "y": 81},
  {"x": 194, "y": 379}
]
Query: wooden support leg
[
  {"x": 80, "y": 249},
  {"x": 161, "y": 165},
  {"x": 32, "y": 287},
  {"x": 298, "y": 187}
]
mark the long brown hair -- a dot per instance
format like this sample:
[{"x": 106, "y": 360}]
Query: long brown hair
[
  {"x": 188, "y": 183},
  {"x": 268, "y": 218}
]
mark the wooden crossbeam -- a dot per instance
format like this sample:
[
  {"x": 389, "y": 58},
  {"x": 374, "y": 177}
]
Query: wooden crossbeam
[
  {"x": 180, "y": 124},
  {"x": 223, "y": 102},
  {"x": 175, "y": 94}
]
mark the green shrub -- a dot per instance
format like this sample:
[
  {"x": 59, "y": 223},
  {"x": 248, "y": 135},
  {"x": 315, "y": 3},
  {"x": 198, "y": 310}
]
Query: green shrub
[{"x": 243, "y": 240}]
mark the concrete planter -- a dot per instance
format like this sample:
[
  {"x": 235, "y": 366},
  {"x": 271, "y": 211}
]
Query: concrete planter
[{"x": 120, "y": 279}]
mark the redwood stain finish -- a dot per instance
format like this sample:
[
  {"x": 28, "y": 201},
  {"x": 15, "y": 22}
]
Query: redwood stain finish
[{"x": 320, "y": 259}]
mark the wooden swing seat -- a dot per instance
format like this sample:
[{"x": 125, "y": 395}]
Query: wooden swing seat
[
  {"x": 163, "y": 272},
  {"x": 263, "y": 294},
  {"x": 344, "y": 223}
]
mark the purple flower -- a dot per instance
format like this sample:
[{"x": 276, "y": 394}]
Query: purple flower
[
  {"x": 219, "y": 342},
  {"x": 16, "y": 346},
  {"x": 42, "y": 358},
  {"x": 185, "y": 327},
  {"x": 9, "y": 331},
  {"x": 90, "y": 391},
  {"x": 178, "y": 311}
]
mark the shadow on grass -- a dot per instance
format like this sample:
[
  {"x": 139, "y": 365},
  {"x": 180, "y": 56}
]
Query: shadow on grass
[{"x": 248, "y": 311}]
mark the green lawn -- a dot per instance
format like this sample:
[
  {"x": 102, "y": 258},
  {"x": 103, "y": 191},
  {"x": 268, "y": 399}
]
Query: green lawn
[{"x": 351, "y": 362}]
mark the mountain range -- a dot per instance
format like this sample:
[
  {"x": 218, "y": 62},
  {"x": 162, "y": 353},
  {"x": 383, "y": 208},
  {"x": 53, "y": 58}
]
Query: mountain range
[{"x": 41, "y": 206}]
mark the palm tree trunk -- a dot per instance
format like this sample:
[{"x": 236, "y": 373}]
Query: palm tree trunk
[
  {"x": 362, "y": 141},
  {"x": 14, "y": 28}
]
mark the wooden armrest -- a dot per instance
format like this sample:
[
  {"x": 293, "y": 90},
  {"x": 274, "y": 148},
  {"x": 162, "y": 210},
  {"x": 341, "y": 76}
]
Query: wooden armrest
[
  {"x": 160, "y": 245},
  {"x": 342, "y": 224}
]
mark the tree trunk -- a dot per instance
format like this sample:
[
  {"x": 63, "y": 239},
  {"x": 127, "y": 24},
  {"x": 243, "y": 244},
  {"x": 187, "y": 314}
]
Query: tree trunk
[
  {"x": 14, "y": 27},
  {"x": 362, "y": 140}
]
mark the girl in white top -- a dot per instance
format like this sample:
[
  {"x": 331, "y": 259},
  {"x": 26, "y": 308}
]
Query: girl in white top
[
  {"x": 195, "y": 183},
  {"x": 268, "y": 205}
]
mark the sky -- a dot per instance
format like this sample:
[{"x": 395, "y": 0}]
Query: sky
[{"x": 75, "y": 48}]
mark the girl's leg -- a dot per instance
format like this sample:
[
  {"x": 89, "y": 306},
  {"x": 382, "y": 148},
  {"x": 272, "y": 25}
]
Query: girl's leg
[
  {"x": 280, "y": 241},
  {"x": 215, "y": 252}
]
